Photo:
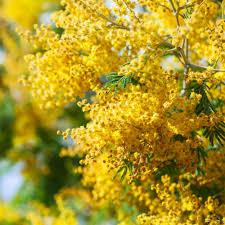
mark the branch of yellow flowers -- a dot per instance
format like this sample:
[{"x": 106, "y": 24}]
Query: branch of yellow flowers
[
  {"x": 204, "y": 67},
  {"x": 184, "y": 56},
  {"x": 192, "y": 65},
  {"x": 180, "y": 50},
  {"x": 176, "y": 12},
  {"x": 187, "y": 5},
  {"x": 164, "y": 6},
  {"x": 121, "y": 26},
  {"x": 132, "y": 12},
  {"x": 187, "y": 64}
]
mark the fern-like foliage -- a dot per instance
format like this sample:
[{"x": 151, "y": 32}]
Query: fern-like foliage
[
  {"x": 216, "y": 132},
  {"x": 188, "y": 12},
  {"x": 128, "y": 166},
  {"x": 205, "y": 106},
  {"x": 116, "y": 82}
]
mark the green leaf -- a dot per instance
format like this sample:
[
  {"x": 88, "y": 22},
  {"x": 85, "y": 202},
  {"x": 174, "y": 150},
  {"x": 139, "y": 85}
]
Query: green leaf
[
  {"x": 125, "y": 64},
  {"x": 204, "y": 106},
  {"x": 118, "y": 172},
  {"x": 116, "y": 82},
  {"x": 201, "y": 153},
  {"x": 124, "y": 174},
  {"x": 216, "y": 132},
  {"x": 199, "y": 171},
  {"x": 178, "y": 137}
]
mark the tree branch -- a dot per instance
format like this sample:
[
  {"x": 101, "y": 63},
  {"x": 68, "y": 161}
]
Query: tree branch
[
  {"x": 204, "y": 67},
  {"x": 112, "y": 22},
  {"x": 121, "y": 26},
  {"x": 187, "y": 5},
  {"x": 175, "y": 12}
]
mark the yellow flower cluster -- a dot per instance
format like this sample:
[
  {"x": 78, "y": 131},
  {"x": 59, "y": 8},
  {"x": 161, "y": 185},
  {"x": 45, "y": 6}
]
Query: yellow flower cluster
[
  {"x": 155, "y": 136},
  {"x": 181, "y": 206},
  {"x": 92, "y": 44}
]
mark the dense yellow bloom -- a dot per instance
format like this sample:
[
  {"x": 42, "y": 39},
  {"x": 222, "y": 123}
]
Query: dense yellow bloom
[
  {"x": 156, "y": 132},
  {"x": 185, "y": 209}
]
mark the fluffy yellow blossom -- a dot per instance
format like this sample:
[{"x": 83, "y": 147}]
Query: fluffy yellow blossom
[{"x": 155, "y": 136}]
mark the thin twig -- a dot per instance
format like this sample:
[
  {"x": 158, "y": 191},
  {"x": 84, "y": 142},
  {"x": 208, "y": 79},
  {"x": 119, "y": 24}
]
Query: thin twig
[
  {"x": 127, "y": 123},
  {"x": 112, "y": 22},
  {"x": 186, "y": 6},
  {"x": 186, "y": 67},
  {"x": 164, "y": 6},
  {"x": 181, "y": 51},
  {"x": 175, "y": 12},
  {"x": 166, "y": 43},
  {"x": 171, "y": 50},
  {"x": 186, "y": 48},
  {"x": 181, "y": 61},
  {"x": 121, "y": 26},
  {"x": 172, "y": 6},
  {"x": 205, "y": 67},
  {"x": 184, "y": 54},
  {"x": 132, "y": 12}
]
